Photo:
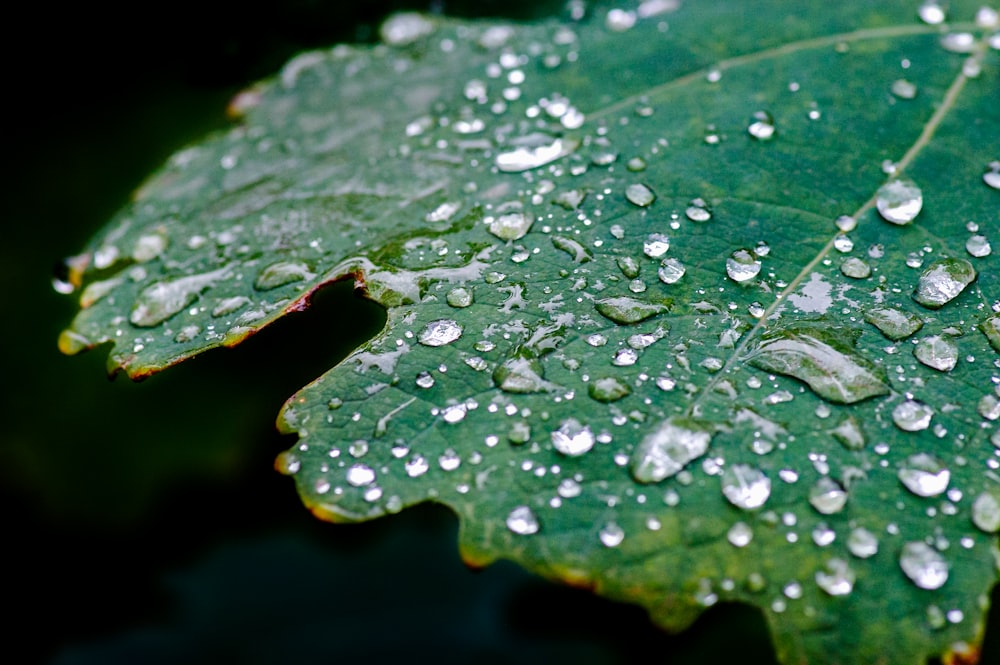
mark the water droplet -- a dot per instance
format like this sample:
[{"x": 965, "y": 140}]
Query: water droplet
[
  {"x": 862, "y": 543},
  {"x": 282, "y": 273},
  {"x": 656, "y": 245},
  {"x": 978, "y": 246},
  {"x": 837, "y": 579},
  {"x": 986, "y": 512},
  {"x": 899, "y": 201},
  {"x": 572, "y": 247},
  {"x": 959, "y": 42},
  {"x": 158, "y": 302},
  {"x": 510, "y": 226},
  {"x": 670, "y": 271},
  {"x": 636, "y": 164},
  {"x": 912, "y": 416},
  {"x": 640, "y": 195},
  {"x": 572, "y": 438},
  {"x": 611, "y": 535},
  {"x": 534, "y": 151},
  {"x": 846, "y": 223},
  {"x": 416, "y": 466},
  {"x": 628, "y": 266},
  {"x": 991, "y": 328},
  {"x": 937, "y": 352},
  {"x": 459, "y": 297},
  {"x": 895, "y": 324},
  {"x": 570, "y": 199},
  {"x": 762, "y": 127},
  {"x": 742, "y": 265},
  {"x": 848, "y": 432},
  {"x": 698, "y": 211},
  {"x": 522, "y": 521},
  {"x": 924, "y": 475},
  {"x": 931, "y": 12},
  {"x": 992, "y": 178},
  {"x": 667, "y": 449},
  {"x": 943, "y": 281},
  {"x": 522, "y": 375},
  {"x": 822, "y": 359},
  {"x": 405, "y": 28},
  {"x": 628, "y": 310},
  {"x": 440, "y": 332},
  {"x": 855, "y": 268},
  {"x": 608, "y": 389},
  {"x": 425, "y": 380},
  {"x": 904, "y": 89},
  {"x": 624, "y": 358},
  {"x": 827, "y": 496},
  {"x": 745, "y": 487},
  {"x": 740, "y": 534},
  {"x": 923, "y": 565},
  {"x": 360, "y": 475},
  {"x": 287, "y": 463},
  {"x": 842, "y": 243}
]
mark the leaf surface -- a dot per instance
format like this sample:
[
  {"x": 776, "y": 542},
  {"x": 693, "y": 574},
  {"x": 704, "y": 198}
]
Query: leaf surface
[{"x": 686, "y": 304}]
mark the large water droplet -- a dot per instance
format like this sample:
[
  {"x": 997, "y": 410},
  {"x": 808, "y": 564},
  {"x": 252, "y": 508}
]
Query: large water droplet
[
  {"x": 895, "y": 324},
  {"x": 639, "y": 194},
  {"x": 440, "y": 332},
  {"x": 821, "y": 359},
  {"x": 360, "y": 475},
  {"x": 742, "y": 265},
  {"x": 937, "y": 352},
  {"x": 511, "y": 225},
  {"x": 158, "y": 302},
  {"x": 656, "y": 245},
  {"x": 923, "y": 565},
  {"x": 745, "y": 487},
  {"x": 827, "y": 496},
  {"x": 924, "y": 475},
  {"x": 912, "y": 416},
  {"x": 670, "y": 271},
  {"x": 837, "y": 578},
  {"x": 899, "y": 201},
  {"x": 572, "y": 438},
  {"x": 628, "y": 310},
  {"x": 534, "y": 151},
  {"x": 943, "y": 281},
  {"x": 522, "y": 521},
  {"x": 666, "y": 450},
  {"x": 607, "y": 389}
]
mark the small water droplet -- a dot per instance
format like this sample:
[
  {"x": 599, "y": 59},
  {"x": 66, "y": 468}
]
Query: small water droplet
[
  {"x": 698, "y": 211},
  {"x": 991, "y": 328},
  {"x": 639, "y": 194},
  {"x": 862, "y": 543},
  {"x": 670, "y": 271},
  {"x": 931, "y": 12},
  {"x": 440, "y": 332},
  {"x": 912, "y": 416},
  {"x": 607, "y": 389},
  {"x": 943, "y": 281},
  {"x": 899, "y": 201},
  {"x": 534, "y": 151},
  {"x": 959, "y": 42},
  {"x": 837, "y": 578},
  {"x": 628, "y": 310},
  {"x": 937, "y": 352},
  {"x": 745, "y": 487},
  {"x": 762, "y": 127},
  {"x": 978, "y": 246},
  {"x": 986, "y": 511},
  {"x": 848, "y": 432},
  {"x": 665, "y": 451},
  {"x": 992, "y": 178},
  {"x": 923, "y": 565},
  {"x": 740, "y": 534},
  {"x": 742, "y": 265},
  {"x": 855, "y": 268},
  {"x": 510, "y": 226},
  {"x": 924, "y": 475},
  {"x": 459, "y": 297},
  {"x": 572, "y": 438},
  {"x": 895, "y": 324},
  {"x": 903, "y": 89},
  {"x": 656, "y": 245},
  {"x": 522, "y": 521},
  {"x": 827, "y": 496},
  {"x": 611, "y": 535},
  {"x": 287, "y": 463}
]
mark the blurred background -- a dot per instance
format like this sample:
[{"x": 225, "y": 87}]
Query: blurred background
[{"x": 144, "y": 522}]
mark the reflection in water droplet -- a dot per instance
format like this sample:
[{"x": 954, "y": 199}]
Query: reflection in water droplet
[
  {"x": 742, "y": 265},
  {"x": 924, "y": 475},
  {"x": 937, "y": 352},
  {"x": 745, "y": 487},
  {"x": 827, "y": 496},
  {"x": 640, "y": 195},
  {"x": 821, "y": 358},
  {"x": 943, "y": 281},
  {"x": 895, "y": 324},
  {"x": 440, "y": 332},
  {"x": 923, "y": 565},
  {"x": 899, "y": 201},
  {"x": 572, "y": 438},
  {"x": 986, "y": 512},
  {"x": 837, "y": 579},
  {"x": 670, "y": 271},
  {"x": 666, "y": 450},
  {"x": 522, "y": 521}
]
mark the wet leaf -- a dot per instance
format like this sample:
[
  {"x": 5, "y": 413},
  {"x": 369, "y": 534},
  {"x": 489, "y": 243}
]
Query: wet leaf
[{"x": 654, "y": 277}]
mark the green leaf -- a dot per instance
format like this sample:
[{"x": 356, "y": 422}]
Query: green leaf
[{"x": 685, "y": 304}]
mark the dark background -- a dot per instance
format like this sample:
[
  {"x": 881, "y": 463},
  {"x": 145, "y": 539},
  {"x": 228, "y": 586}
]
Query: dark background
[{"x": 143, "y": 522}]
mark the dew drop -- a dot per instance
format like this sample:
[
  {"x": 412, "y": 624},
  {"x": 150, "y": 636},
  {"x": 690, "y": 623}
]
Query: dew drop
[
  {"x": 931, "y": 12},
  {"x": 572, "y": 438},
  {"x": 158, "y": 302},
  {"x": 667, "y": 450},
  {"x": 459, "y": 297},
  {"x": 986, "y": 512},
  {"x": 978, "y": 246},
  {"x": 855, "y": 268},
  {"x": 943, "y": 281},
  {"x": 522, "y": 521},
  {"x": 742, "y": 265},
  {"x": 740, "y": 534},
  {"x": 534, "y": 151},
  {"x": 924, "y": 475},
  {"x": 895, "y": 324},
  {"x": 656, "y": 245},
  {"x": 762, "y": 127},
  {"x": 628, "y": 266},
  {"x": 360, "y": 475},
  {"x": 937, "y": 352},
  {"x": 670, "y": 271},
  {"x": 903, "y": 89},
  {"x": 959, "y": 42},
  {"x": 745, "y": 487},
  {"x": 405, "y": 28},
  {"x": 991, "y": 328},
  {"x": 848, "y": 432},
  {"x": 440, "y": 332},
  {"x": 416, "y": 466},
  {"x": 611, "y": 535},
  {"x": 862, "y": 543},
  {"x": 912, "y": 415},
  {"x": 627, "y": 310},
  {"x": 698, "y": 211},
  {"x": 640, "y": 195},
  {"x": 827, "y": 496},
  {"x": 899, "y": 201},
  {"x": 923, "y": 565},
  {"x": 282, "y": 273},
  {"x": 510, "y": 226},
  {"x": 608, "y": 389},
  {"x": 837, "y": 578}
]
